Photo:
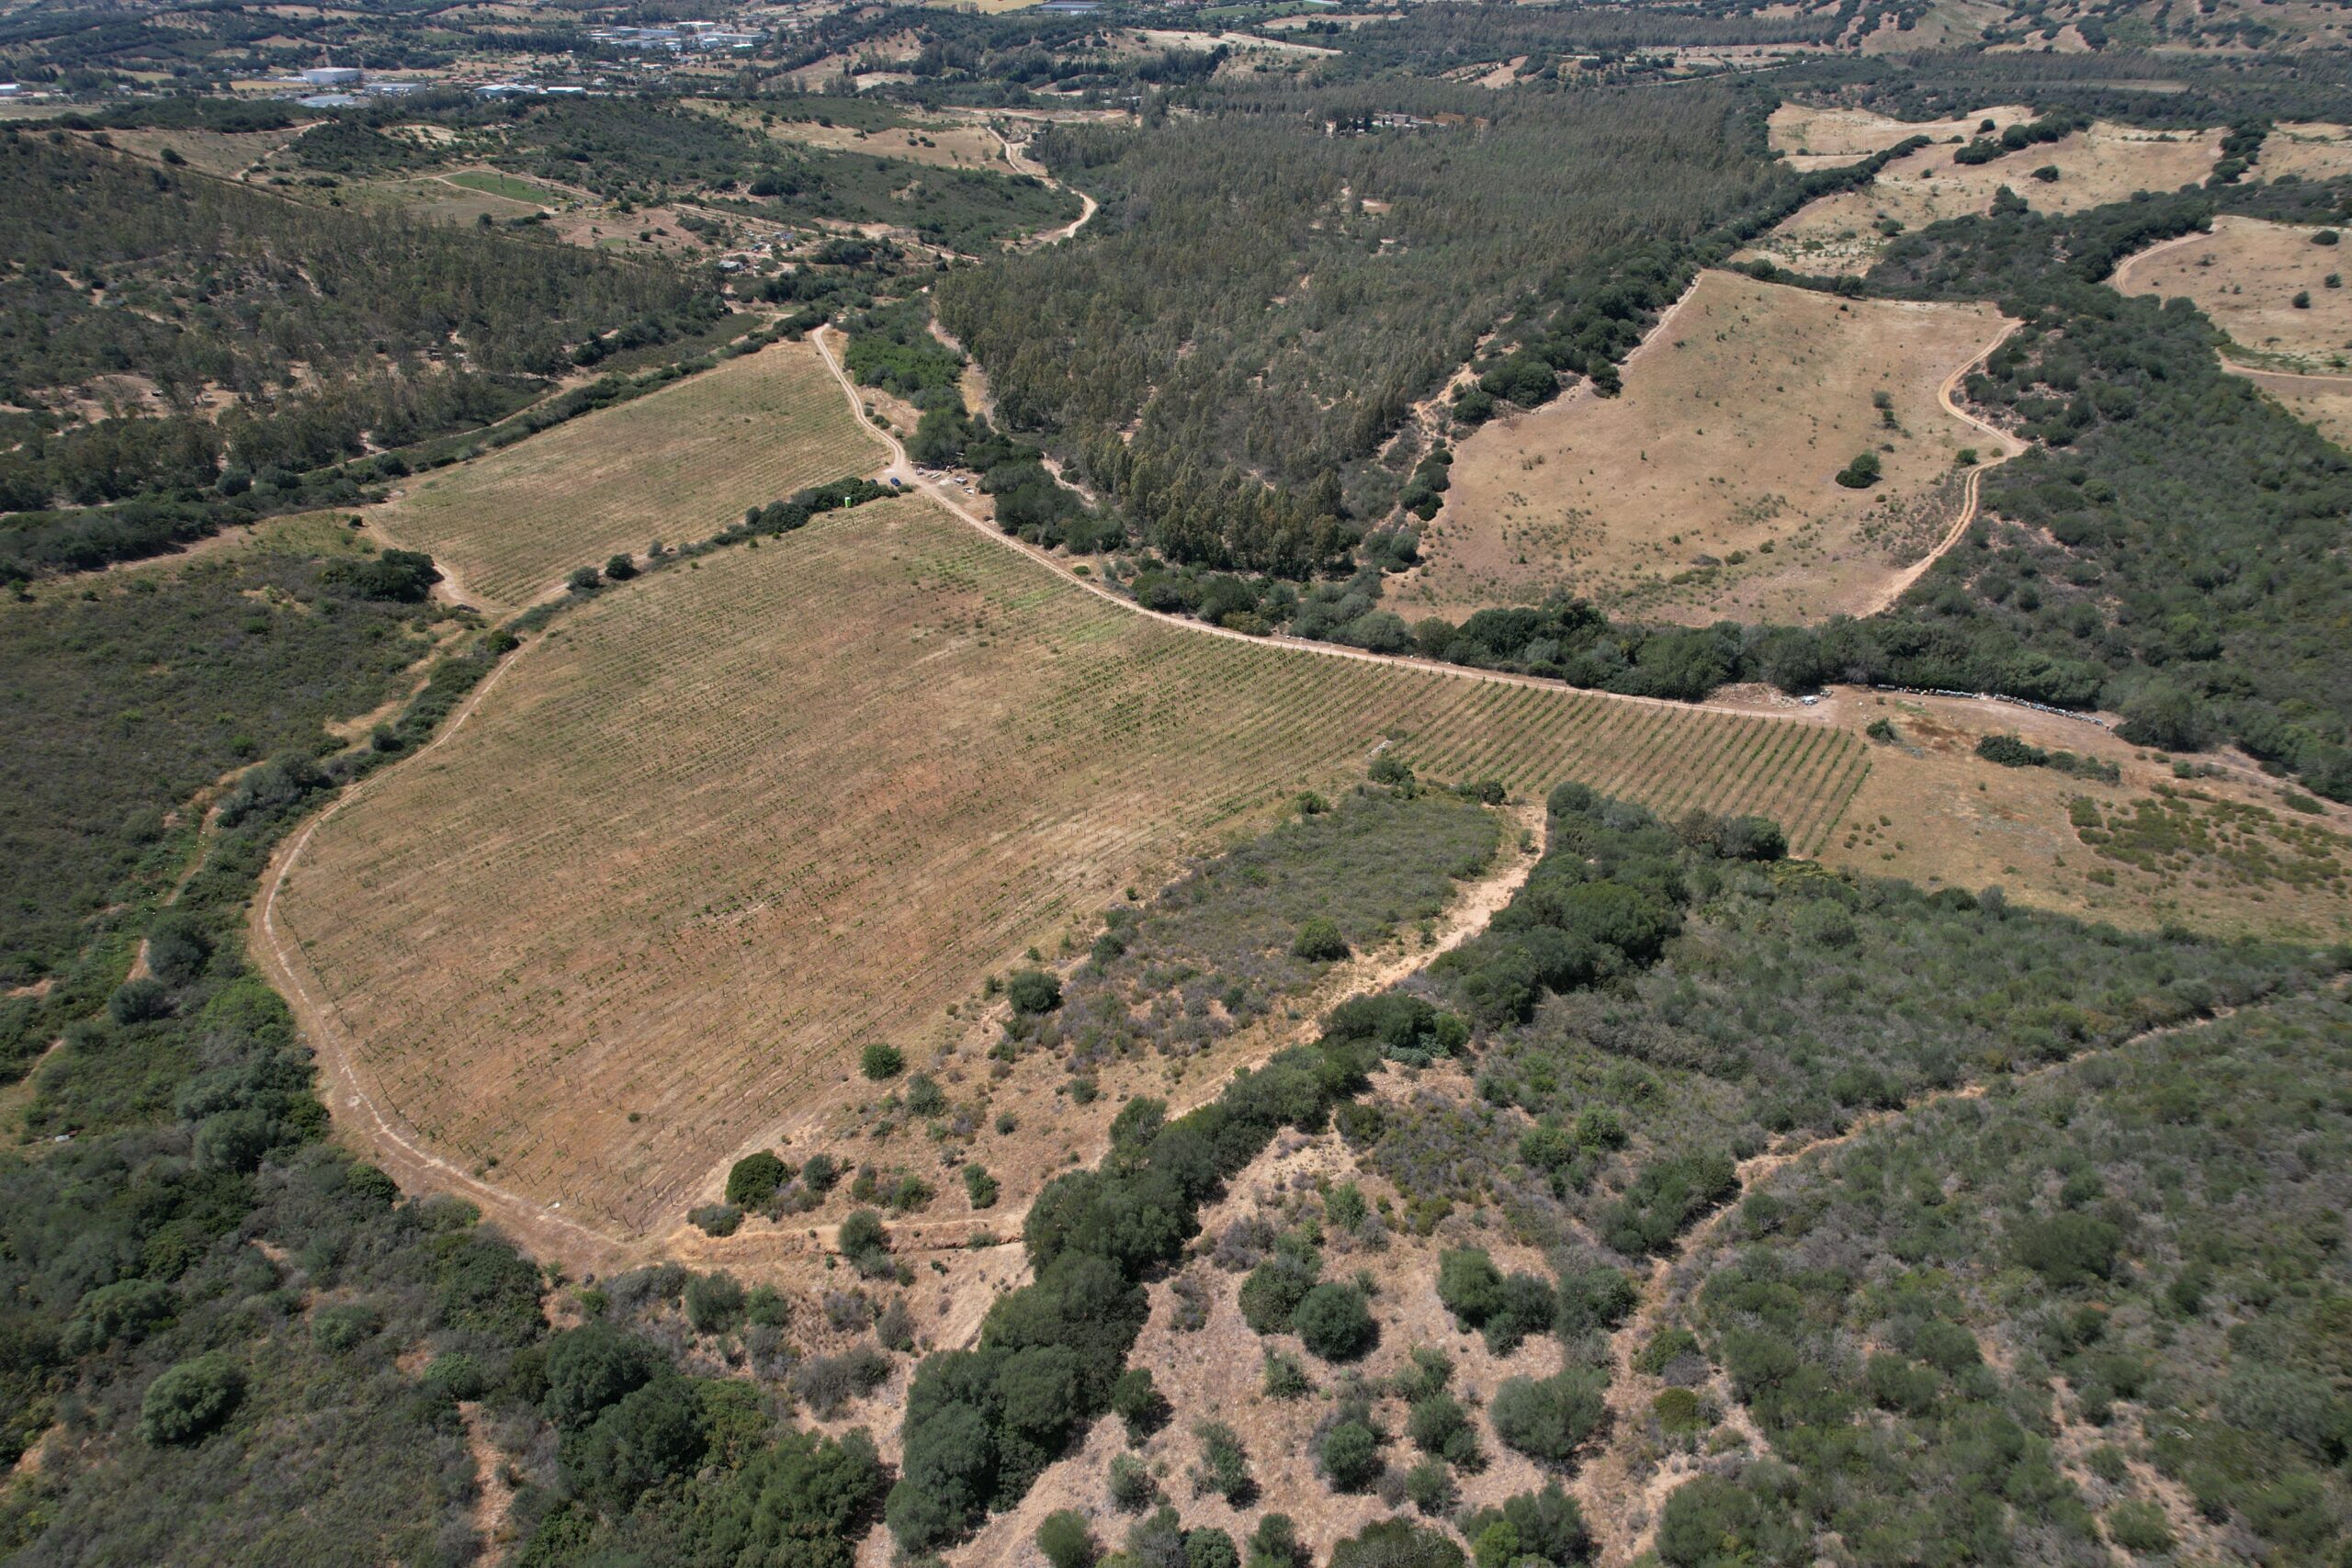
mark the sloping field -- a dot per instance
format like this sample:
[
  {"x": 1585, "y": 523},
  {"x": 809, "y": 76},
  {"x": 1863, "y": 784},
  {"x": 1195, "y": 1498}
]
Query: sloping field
[
  {"x": 2247, "y": 275},
  {"x": 2311, "y": 150},
  {"x": 1840, "y": 233},
  {"x": 1813, "y": 138},
  {"x": 1736, "y": 418},
  {"x": 725, "y": 825},
  {"x": 678, "y": 463}
]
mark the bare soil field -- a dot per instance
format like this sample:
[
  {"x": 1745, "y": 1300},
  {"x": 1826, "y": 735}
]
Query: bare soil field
[
  {"x": 675, "y": 464},
  {"x": 2323, "y": 402},
  {"x": 2310, "y": 149},
  {"x": 2223, "y": 851},
  {"x": 1844, "y": 233},
  {"x": 2248, "y": 275},
  {"x": 729, "y": 823},
  {"x": 1707, "y": 489}
]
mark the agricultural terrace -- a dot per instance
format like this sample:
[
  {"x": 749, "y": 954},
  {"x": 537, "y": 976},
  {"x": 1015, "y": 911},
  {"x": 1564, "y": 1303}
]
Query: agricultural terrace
[
  {"x": 678, "y": 463},
  {"x": 1708, "y": 489},
  {"x": 1846, "y": 231},
  {"x": 1812, "y": 138},
  {"x": 727, "y": 825},
  {"x": 2279, "y": 295}
]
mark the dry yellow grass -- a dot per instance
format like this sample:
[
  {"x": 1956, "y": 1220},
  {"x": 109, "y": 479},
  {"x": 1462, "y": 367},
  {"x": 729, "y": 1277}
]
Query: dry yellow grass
[
  {"x": 2308, "y": 149},
  {"x": 678, "y": 463},
  {"x": 1934, "y": 812},
  {"x": 727, "y": 825},
  {"x": 1735, "y": 418},
  {"x": 1839, "y": 234},
  {"x": 2246, "y": 276},
  {"x": 1812, "y": 138},
  {"x": 946, "y": 145},
  {"x": 2325, "y": 402}
]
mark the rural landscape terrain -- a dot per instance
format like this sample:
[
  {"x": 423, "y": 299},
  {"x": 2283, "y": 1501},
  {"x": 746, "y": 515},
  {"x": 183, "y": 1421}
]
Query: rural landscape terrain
[{"x": 1340, "y": 783}]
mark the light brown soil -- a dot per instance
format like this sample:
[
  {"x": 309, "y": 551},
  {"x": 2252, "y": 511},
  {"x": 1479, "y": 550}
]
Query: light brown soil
[
  {"x": 2247, "y": 275},
  {"x": 1737, "y": 413},
  {"x": 1838, "y": 234}
]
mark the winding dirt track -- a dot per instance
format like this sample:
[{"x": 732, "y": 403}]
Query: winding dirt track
[{"x": 2011, "y": 447}]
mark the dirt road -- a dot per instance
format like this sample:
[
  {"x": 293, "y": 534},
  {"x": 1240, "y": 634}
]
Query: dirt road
[{"x": 2011, "y": 447}]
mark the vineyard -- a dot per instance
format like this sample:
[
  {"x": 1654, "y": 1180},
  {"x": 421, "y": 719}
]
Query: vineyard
[
  {"x": 676, "y": 465},
  {"x": 727, "y": 825}
]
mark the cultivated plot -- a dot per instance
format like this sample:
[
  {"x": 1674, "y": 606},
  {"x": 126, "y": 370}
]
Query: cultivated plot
[
  {"x": 2272, "y": 287},
  {"x": 676, "y": 465},
  {"x": 727, "y": 825},
  {"x": 1709, "y": 488},
  {"x": 1845, "y": 232}
]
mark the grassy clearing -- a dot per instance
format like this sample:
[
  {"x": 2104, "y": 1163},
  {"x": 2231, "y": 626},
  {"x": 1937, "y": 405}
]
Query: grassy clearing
[
  {"x": 2230, "y": 851},
  {"x": 1845, "y": 232},
  {"x": 1707, "y": 489},
  {"x": 2248, "y": 275},
  {"x": 2325, "y": 402},
  {"x": 491, "y": 183},
  {"x": 1813, "y": 138},
  {"x": 730, "y": 824},
  {"x": 674, "y": 466},
  {"x": 2310, "y": 150}
]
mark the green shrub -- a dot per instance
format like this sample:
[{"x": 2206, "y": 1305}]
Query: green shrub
[
  {"x": 878, "y": 1062},
  {"x": 1348, "y": 1454},
  {"x": 1549, "y": 1419},
  {"x": 1397, "y": 1543},
  {"x": 1429, "y": 1486},
  {"x": 2140, "y": 1528},
  {"x": 1224, "y": 1464},
  {"x": 1210, "y": 1548},
  {"x": 1319, "y": 940},
  {"x": 1065, "y": 1540},
  {"x": 1137, "y": 1402},
  {"x": 1862, "y": 473},
  {"x": 1286, "y": 1377},
  {"x": 1132, "y": 1488},
  {"x": 1334, "y": 1322},
  {"x": 188, "y": 1399},
  {"x": 1033, "y": 991},
  {"x": 754, "y": 1178},
  {"x": 714, "y": 1302}
]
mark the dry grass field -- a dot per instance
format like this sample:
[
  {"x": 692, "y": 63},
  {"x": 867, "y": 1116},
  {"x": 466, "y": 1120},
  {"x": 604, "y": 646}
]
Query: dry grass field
[
  {"x": 2248, "y": 275},
  {"x": 1842, "y": 234},
  {"x": 1722, "y": 449},
  {"x": 2309, "y": 148},
  {"x": 946, "y": 145},
  {"x": 678, "y": 463},
  {"x": 2223, "y": 851},
  {"x": 732, "y": 822},
  {"x": 1813, "y": 138},
  {"x": 2323, "y": 402}
]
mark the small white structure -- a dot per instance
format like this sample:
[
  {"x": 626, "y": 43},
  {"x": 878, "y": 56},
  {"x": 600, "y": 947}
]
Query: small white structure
[{"x": 333, "y": 76}]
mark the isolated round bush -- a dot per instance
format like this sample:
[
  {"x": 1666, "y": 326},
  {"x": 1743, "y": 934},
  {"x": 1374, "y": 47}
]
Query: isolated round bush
[
  {"x": 1319, "y": 942},
  {"x": 1063, "y": 1537},
  {"x": 754, "y": 1180},
  {"x": 878, "y": 1062},
  {"x": 1349, "y": 1457},
  {"x": 189, "y": 1399},
  {"x": 1033, "y": 992},
  {"x": 1397, "y": 1543},
  {"x": 1333, "y": 1321}
]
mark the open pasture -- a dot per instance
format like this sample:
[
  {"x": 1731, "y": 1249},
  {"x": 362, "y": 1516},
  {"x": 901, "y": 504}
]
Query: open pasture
[
  {"x": 1812, "y": 138},
  {"x": 2310, "y": 150},
  {"x": 675, "y": 464},
  {"x": 727, "y": 825},
  {"x": 1707, "y": 489},
  {"x": 1845, "y": 232},
  {"x": 2248, "y": 276}
]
